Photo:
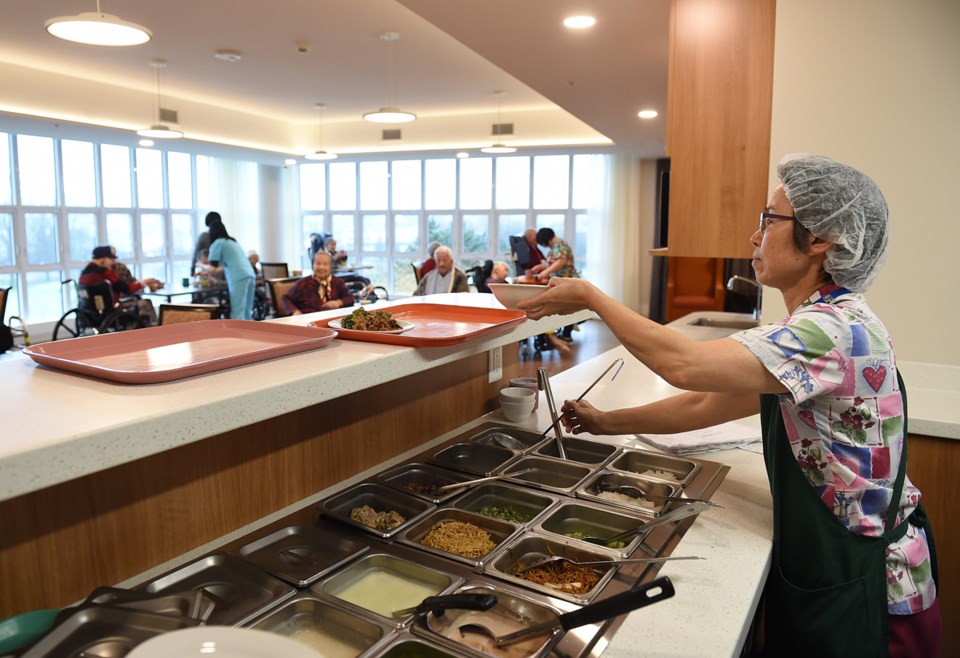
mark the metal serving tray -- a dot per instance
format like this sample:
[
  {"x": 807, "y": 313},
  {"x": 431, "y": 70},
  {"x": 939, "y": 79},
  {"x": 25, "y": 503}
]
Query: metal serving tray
[
  {"x": 394, "y": 583},
  {"x": 641, "y": 462},
  {"x": 512, "y": 612},
  {"x": 606, "y": 480},
  {"x": 593, "y": 521},
  {"x": 525, "y": 501},
  {"x": 551, "y": 474},
  {"x": 517, "y": 439},
  {"x": 325, "y": 627},
  {"x": 474, "y": 458},
  {"x": 530, "y": 546},
  {"x": 498, "y": 530},
  {"x": 579, "y": 450},
  {"x": 379, "y": 497},
  {"x": 240, "y": 590},
  {"x": 302, "y": 554},
  {"x": 402, "y": 477},
  {"x": 409, "y": 647}
]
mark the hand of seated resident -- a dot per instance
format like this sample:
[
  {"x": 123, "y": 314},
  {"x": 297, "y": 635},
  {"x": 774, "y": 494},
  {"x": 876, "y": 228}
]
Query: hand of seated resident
[{"x": 332, "y": 303}]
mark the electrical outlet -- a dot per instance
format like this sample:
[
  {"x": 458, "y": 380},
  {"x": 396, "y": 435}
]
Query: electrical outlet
[{"x": 495, "y": 365}]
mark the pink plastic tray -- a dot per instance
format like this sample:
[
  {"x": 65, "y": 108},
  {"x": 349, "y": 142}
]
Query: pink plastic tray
[
  {"x": 436, "y": 324},
  {"x": 162, "y": 354}
]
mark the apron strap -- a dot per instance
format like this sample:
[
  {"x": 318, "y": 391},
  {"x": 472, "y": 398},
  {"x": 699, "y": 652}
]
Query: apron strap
[{"x": 894, "y": 534}]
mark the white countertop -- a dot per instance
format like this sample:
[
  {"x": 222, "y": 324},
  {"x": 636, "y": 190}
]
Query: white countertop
[{"x": 59, "y": 426}]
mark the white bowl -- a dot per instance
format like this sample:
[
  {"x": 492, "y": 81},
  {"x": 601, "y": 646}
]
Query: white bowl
[
  {"x": 517, "y": 411},
  {"x": 517, "y": 394},
  {"x": 511, "y": 294}
]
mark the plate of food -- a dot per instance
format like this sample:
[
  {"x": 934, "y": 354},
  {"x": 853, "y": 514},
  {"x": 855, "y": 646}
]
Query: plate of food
[{"x": 365, "y": 321}]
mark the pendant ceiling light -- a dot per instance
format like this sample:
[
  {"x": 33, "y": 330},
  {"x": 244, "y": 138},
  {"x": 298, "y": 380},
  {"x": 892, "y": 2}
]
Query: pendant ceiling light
[
  {"x": 159, "y": 130},
  {"x": 98, "y": 29},
  {"x": 389, "y": 113},
  {"x": 320, "y": 154},
  {"x": 498, "y": 146}
]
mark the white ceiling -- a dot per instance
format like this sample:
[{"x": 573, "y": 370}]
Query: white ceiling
[{"x": 563, "y": 88}]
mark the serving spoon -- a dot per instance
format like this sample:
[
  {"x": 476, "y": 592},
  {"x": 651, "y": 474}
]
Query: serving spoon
[
  {"x": 671, "y": 516},
  {"x": 467, "y": 483}
]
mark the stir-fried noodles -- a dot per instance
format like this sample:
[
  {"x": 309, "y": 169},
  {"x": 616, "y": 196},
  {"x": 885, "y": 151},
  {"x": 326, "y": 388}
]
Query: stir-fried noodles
[{"x": 459, "y": 538}]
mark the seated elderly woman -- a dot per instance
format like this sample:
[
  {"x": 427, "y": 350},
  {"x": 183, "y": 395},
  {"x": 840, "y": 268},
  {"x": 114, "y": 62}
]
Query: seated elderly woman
[
  {"x": 319, "y": 292},
  {"x": 445, "y": 278},
  {"x": 853, "y": 567}
]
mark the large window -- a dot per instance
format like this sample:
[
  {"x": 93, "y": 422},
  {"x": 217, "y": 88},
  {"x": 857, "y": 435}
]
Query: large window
[{"x": 472, "y": 205}]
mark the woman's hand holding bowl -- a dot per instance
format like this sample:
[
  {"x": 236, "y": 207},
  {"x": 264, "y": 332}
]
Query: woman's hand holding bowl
[{"x": 562, "y": 297}]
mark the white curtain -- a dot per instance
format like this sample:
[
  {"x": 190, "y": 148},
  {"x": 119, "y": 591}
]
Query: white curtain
[{"x": 614, "y": 247}]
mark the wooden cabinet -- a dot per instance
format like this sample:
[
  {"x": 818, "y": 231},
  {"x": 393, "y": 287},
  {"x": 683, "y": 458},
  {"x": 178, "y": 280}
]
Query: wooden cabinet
[{"x": 718, "y": 132}]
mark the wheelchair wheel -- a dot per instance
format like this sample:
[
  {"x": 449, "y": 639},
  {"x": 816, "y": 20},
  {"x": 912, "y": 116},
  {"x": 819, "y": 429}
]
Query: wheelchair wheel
[
  {"x": 73, "y": 324},
  {"x": 122, "y": 321}
]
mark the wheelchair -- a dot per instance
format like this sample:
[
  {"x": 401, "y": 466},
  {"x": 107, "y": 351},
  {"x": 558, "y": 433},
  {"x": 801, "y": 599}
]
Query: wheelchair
[{"x": 97, "y": 313}]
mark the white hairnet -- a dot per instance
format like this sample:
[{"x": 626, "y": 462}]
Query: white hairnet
[{"x": 844, "y": 206}]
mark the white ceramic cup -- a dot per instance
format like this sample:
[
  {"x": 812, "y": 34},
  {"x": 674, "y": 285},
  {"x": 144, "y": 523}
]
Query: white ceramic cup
[{"x": 517, "y": 403}]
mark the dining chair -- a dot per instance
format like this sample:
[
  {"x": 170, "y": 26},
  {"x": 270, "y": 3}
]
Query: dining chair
[
  {"x": 278, "y": 288},
  {"x": 274, "y": 270},
  {"x": 180, "y": 313},
  {"x": 417, "y": 272}
]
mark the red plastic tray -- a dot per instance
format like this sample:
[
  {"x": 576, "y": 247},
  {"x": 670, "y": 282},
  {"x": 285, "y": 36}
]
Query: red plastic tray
[
  {"x": 436, "y": 324},
  {"x": 162, "y": 354}
]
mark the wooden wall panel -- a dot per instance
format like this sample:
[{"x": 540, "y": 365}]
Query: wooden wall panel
[{"x": 59, "y": 543}]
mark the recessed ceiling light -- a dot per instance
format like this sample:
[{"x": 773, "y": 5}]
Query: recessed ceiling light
[
  {"x": 145, "y": 142},
  {"x": 463, "y": 154},
  {"x": 289, "y": 162},
  {"x": 499, "y": 148},
  {"x": 98, "y": 29},
  {"x": 579, "y": 22},
  {"x": 647, "y": 114}
]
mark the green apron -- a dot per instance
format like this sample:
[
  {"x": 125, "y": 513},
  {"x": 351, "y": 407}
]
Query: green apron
[{"x": 826, "y": 594}]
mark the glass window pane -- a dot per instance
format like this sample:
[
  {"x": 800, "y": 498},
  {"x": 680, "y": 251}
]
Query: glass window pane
[
  {"x": 588, "y": 180},
  {"x": 476, "y": 234},
  {"x": 313, "y": 189},
  {"x": 343, "y": 186},
  {"x": 312, "y": 224},
  {"x": 374, "y": 232},
  {"x": 157, "y": 270},
  {"x": 10, "y": 280},
  {"x": 82, "y": 230},
  {"x": 373, "y": 185},
  {"x": 551, "y": 181},
  {"x": 79, "y": 182},
  {"x": 183, "y": 234},
  {"x": 580, "y": 245},
  {"x": 379, "y": 274},
  {"x": 149, "y": 179},
  {"x": 555, "y": 221},
  {"x": 405, "y": 185},
  {"x": 7, "y": 251},
  {"x": 403, "y": 280},
  {"x": 344, "y": 231},
  {"x": 43, "y": 296},
  {"x": 205, "y": 168},
  {"x": 180, "y": 180},
  {"x": 508, "y": 225},
  {"x": 181, "y": 270},
  {"x": 513, "y": 182},
  {"x": 440, "y": 229},
  {"x": 42, "y": 239},
  {"x": 120, "y": 233},
  {"x": 476, "y": 183},
  {"x": 441, "y": 184},
  {"x": 6, "y": 184},
  {"x": 406, "y": 234},
  {"x": 115, "y": 176},
  {"x": 152, "y": 241},
  {"x": 38, "y": 178}
]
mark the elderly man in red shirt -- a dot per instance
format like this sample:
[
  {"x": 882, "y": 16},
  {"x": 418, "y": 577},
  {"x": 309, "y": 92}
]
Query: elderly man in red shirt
[
  {"x": 100, "y": 269},
  {"x": 320, "y": 292}
]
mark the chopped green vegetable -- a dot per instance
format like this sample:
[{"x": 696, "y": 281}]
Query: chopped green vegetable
[{"x": 507, "y": 513}]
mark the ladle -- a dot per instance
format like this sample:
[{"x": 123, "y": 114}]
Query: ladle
[
  {"x": 643, "y": 595},
  {"x": 467, "y": 483},
  {"x": 671, "y": 516}
]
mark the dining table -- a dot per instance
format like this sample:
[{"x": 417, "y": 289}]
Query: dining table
[{"x": 168, "y": 293}]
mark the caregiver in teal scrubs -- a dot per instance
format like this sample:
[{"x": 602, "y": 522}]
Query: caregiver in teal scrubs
[
  {"x": 854, "y": 568},
  {"x": 241, "y": 279}
]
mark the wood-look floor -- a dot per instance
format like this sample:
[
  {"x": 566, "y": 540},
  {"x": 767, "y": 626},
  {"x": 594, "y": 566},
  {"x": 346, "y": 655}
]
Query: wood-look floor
[{"x": 593, "y": 338}]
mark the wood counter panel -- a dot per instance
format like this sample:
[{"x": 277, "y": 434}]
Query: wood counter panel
[
  {"x": 929, "y": 465},
  {"x": 60, "y": 543}
]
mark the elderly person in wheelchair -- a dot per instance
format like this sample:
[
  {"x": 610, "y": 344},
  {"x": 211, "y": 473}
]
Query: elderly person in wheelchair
[{"x": 101, "y": 269}]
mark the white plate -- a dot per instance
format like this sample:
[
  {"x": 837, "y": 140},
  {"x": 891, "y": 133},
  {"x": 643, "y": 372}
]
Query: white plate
[
  {"x": 221, "y": 642},
  {"x": 404, "y": 326},
  {"x": 511, "y": 294}
]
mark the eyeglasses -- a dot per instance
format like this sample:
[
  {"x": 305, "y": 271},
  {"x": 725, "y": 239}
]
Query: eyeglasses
[{"x": 768, "y": 218}]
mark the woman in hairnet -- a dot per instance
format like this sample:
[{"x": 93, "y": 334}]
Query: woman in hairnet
[{"x": 853, "y": 562}]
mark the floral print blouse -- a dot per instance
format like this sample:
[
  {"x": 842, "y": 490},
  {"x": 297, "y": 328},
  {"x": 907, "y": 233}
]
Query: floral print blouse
[
  {"x": 844, "y": 418},
  {"x": 559, "y": 250}
]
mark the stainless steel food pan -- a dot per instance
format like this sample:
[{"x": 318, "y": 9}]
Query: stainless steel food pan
[
  {"x": 239, "y": 590},
  {"x": 508, "y": 437},
  {"x": 409, "y": 647},
  {"x": 579, "y": 450},
  {"x": 550, "y": 474},
  {"x": 300, "y": 554},
  {"x": 593, "y": 521},
  {"x": 498, "y": 530},
  {"x": 645, "y": 464},
  {"x": 610, "y": 480},
  {"x": 421, "y": 480},
  {"x": 475, "y": 458},
  {"x": 380, "y": 498},
  {"x": 506, "y": 502}
]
